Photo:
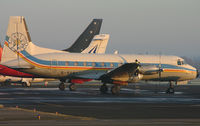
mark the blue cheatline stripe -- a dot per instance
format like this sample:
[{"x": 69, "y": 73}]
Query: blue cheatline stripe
[
  {"x": 168, "y": 66},
  {"x": 34, "y": 59},
  {"x": 70, "y": 63},
  {"x": 90, "y": 64}
]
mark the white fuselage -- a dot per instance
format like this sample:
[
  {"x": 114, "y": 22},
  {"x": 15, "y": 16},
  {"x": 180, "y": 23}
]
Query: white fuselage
[{"x": 92, "y": 66}]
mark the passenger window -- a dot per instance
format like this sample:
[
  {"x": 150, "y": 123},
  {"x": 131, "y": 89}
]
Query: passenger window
[
  {"x": 84, "y": 64},
  {"x": 111, "y": 65},
  {"x": 93, "y": 64},
  {"x": 75, "y": 63},
  {"x": 67, "y": 63},
  {"x": 102, "y": 64}
]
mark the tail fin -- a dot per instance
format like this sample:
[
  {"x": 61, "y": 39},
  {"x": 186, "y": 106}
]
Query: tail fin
[
  {"x": 17, "y": 38},
  {"x": 86, "y": 37},
  {"x": 98, "y": 44}
]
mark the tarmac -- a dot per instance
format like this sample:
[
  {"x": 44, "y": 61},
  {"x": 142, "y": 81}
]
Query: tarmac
[{"x": 138, "y": 104}]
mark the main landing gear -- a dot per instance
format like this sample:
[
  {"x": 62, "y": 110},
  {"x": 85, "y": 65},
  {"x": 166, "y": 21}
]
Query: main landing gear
[
  {"x": 115, "y": 89},
  {"x": 62, "y": 86},
  {"x": 72, "y": 87},
  {"x": 104, "y": 88},
  {"x": 170, "y": 90}
]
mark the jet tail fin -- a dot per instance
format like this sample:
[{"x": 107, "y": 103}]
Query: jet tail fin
[
  {"x": 98, "y": 44},
  {"x": 86, "y": 37}
]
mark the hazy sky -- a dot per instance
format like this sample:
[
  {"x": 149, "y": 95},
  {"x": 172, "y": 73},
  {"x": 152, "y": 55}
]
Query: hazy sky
[{"x": 135, "y": 26}]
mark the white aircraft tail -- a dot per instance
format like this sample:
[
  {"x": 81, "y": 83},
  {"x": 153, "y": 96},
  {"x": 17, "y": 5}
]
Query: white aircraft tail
[
  {"x": 17, "y": 38},
  {"x": 98, "y": 44},
  {"x": 18, "y": 44}
]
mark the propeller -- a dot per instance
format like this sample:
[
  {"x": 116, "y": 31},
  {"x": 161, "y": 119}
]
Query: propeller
[{"x": 159, "y": 73}]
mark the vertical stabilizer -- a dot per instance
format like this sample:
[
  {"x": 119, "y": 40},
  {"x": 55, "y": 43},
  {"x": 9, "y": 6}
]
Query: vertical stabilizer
[
  {"x": 98, "y": 44},
  {"x": 86, "y": 37},
  {"x": 17, "y": 38}
]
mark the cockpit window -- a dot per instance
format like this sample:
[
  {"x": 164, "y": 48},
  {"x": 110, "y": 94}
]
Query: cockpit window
[
  {"x": 181, "y": 62},
  {"x": 178, "y": 62}
]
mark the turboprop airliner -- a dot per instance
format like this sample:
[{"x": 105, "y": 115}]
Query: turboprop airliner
[{"x": 20, "y": 53}]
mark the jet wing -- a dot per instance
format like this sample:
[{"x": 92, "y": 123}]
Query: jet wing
[{"x": 128, "y": 72}]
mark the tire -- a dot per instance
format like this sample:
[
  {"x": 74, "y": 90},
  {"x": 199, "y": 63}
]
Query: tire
[
  {"x": 104, "y": 89},
  {"x": 72, "y": 87},
  {"x": 61, "y": 86},
  {"x": 170, "y": 91},
  {"x": 115, "y": 89}
]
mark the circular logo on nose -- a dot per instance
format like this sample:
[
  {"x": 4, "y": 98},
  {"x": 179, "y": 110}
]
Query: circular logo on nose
[{"x": 18, "y": 41}]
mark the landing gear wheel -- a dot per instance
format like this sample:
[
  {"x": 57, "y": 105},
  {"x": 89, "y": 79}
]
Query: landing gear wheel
[
  {"x": 24, "y": 84},
  {"x": 72, "y": 87},
  {"x": 115, "y": 89},
  {"x": 104, "y": 88},
  {"x": 62, "y": 86},
  {"x": 170, "y": 90},
  {"x": 7, "y": 83}
]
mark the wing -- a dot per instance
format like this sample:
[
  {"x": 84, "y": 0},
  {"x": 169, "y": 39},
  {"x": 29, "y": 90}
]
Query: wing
[{"x": 128, "y": 72}]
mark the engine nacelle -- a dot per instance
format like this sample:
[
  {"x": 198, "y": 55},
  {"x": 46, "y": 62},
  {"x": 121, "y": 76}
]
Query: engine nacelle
[
  {"x": 149, "y": 69},
  {"x": 134, "y": 79},
  {"x": 126, "y": 73}
]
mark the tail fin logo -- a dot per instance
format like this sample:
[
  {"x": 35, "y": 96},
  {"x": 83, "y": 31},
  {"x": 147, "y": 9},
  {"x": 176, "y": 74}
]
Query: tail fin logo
[
  {"x": 93, "y": 50},
  {"x": 17, "y": 41}
]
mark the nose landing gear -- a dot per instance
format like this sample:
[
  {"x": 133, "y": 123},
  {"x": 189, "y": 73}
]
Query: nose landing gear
[{"x": 170, "y": 90}]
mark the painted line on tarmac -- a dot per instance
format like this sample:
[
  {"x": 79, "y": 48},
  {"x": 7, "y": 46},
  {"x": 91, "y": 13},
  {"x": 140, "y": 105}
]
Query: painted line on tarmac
[{"x": 51, "y": 114}]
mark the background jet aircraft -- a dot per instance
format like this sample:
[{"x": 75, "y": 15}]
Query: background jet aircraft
[
  {"x": 79, "y": 45},
  {"x": 20, "y": 53}
]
